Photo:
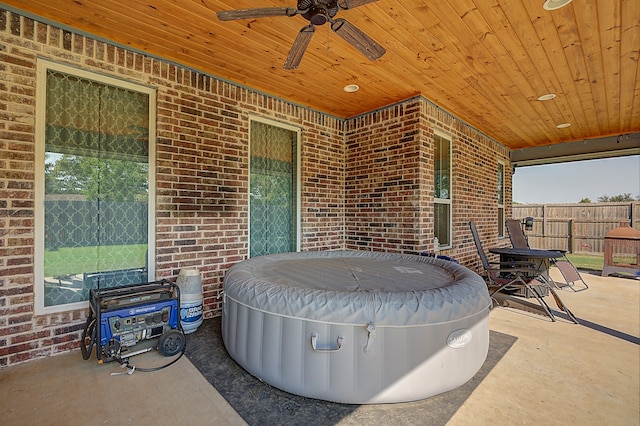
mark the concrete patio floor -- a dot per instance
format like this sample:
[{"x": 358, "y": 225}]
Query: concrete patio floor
[{"x": 555, "y": 373}]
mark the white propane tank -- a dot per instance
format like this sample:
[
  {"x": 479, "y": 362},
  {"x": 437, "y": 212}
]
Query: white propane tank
[{"x": 191, "y": 302}]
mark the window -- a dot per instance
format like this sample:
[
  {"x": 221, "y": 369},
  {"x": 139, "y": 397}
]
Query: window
[
  {"x": 94, "y": 185},
  {"x": 501, "y": 218},
  {"x": 442, "y": 190},
  {"x": 274, "y": 188}
]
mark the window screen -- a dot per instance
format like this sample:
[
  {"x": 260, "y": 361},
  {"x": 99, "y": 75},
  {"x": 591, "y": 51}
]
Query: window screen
[{"x": 96, "y": 187}]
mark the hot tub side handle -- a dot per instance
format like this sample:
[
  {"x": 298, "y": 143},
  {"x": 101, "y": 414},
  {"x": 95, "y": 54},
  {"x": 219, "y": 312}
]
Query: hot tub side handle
[
  {"x": 314, "y": 345},
  {"x": 371, "y": 335}
]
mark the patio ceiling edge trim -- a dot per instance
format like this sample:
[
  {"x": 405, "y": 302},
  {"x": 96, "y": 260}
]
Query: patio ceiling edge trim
[{"x": 588, "y": 149}]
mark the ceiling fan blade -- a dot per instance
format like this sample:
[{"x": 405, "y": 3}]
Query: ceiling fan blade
[
  {"x": 352, "y": 4},
  {"x": 358, "y": 39},
  {"x": 299, "y": 47},
  {"x": 232, "y": 15}
]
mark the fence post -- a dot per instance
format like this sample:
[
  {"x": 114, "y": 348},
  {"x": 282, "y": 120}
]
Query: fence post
[
  {"x": 544, "y": 225},
  {"x": 570, "y": 243}
]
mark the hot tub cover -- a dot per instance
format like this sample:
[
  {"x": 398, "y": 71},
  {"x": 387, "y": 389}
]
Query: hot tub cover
[{"x": 347, "y": 287}]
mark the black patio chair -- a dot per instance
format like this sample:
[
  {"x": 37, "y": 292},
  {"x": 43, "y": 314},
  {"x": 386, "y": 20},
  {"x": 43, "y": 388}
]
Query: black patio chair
[
  {"x": 516, "y": 234},
  {"x": 568, "y": 270},
  {"x": 508, "y": 277}
]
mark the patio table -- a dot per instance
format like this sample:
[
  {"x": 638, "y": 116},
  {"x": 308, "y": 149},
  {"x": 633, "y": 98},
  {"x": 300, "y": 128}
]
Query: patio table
[{"x": 540, "y": 258}]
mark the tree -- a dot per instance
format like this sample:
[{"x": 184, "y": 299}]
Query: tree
[
  {"x": 586, "y": 200},
  {"x": 104, "y": 179},
  {"x": 615, "y": 198}
]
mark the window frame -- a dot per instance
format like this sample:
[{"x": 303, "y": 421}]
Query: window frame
[
  {"x": 500, "y": 190},
  {"x": 444, "y": 201},
  {"x": 42, "y": 66},
  {"x": 298, "y": 168}
]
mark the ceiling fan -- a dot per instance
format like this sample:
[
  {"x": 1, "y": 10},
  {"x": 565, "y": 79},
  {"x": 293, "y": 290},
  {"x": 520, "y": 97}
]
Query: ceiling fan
[{"x": 317, "y": 12}]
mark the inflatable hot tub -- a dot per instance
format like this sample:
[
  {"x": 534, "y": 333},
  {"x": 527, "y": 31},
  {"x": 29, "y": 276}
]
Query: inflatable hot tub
[{"x": 356, "y": 327}]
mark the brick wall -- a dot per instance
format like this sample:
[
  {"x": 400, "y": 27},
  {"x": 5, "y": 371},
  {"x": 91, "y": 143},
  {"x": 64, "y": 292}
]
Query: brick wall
[
  {"x": 383, "y": 181},
  {"x": 389, "y": 181},
  {"x": 366, "y": 182}
]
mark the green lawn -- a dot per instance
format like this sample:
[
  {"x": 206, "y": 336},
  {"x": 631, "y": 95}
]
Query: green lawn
[
  {"x": 67, "y": 260},
  {"x": 587, "y": 261}
]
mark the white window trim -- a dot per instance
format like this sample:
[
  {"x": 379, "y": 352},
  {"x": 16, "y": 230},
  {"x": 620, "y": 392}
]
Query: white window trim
[
  {"x": 501, "y": 226},
  {"x": 298, "y": 132},
  {"x": 449, "y": 200},
  {"x": 41, "y": 74}
]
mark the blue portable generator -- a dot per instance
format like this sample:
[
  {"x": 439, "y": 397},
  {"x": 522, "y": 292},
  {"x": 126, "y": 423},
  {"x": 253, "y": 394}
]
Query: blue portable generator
[{"x": 128, "y": 320}]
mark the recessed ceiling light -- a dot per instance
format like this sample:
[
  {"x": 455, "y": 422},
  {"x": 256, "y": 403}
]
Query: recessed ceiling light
[
  {"x": 350, "y": 88},
  {"x": 547, "y": 97},
  {"x": 555, "y": 4},
  {"x": 563, "y": 125}
]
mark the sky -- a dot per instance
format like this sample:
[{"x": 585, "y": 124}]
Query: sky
[{"x": 571, "y": 182}]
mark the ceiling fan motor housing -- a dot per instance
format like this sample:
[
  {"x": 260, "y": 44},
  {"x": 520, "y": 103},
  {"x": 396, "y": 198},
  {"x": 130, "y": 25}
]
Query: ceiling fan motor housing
[{"x": 319, "y": 12}]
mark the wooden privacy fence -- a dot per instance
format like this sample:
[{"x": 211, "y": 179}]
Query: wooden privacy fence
[{"x": 578, "y": 227}]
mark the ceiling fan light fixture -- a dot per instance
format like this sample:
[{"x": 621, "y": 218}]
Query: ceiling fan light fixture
[
  {"x": 563, "y": 125},
  {"x": 318, "y": 15},
  {"x": 547, "y": 97},
  {"x": 555, "y": 4},
  {"x": 351, "y": 88}
]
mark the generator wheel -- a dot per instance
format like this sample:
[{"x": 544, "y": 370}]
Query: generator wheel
[{"x": 171, "y": 342}]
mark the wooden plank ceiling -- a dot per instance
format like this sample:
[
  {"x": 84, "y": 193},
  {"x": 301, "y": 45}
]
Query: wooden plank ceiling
[{"x": 485, "y": 61}]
